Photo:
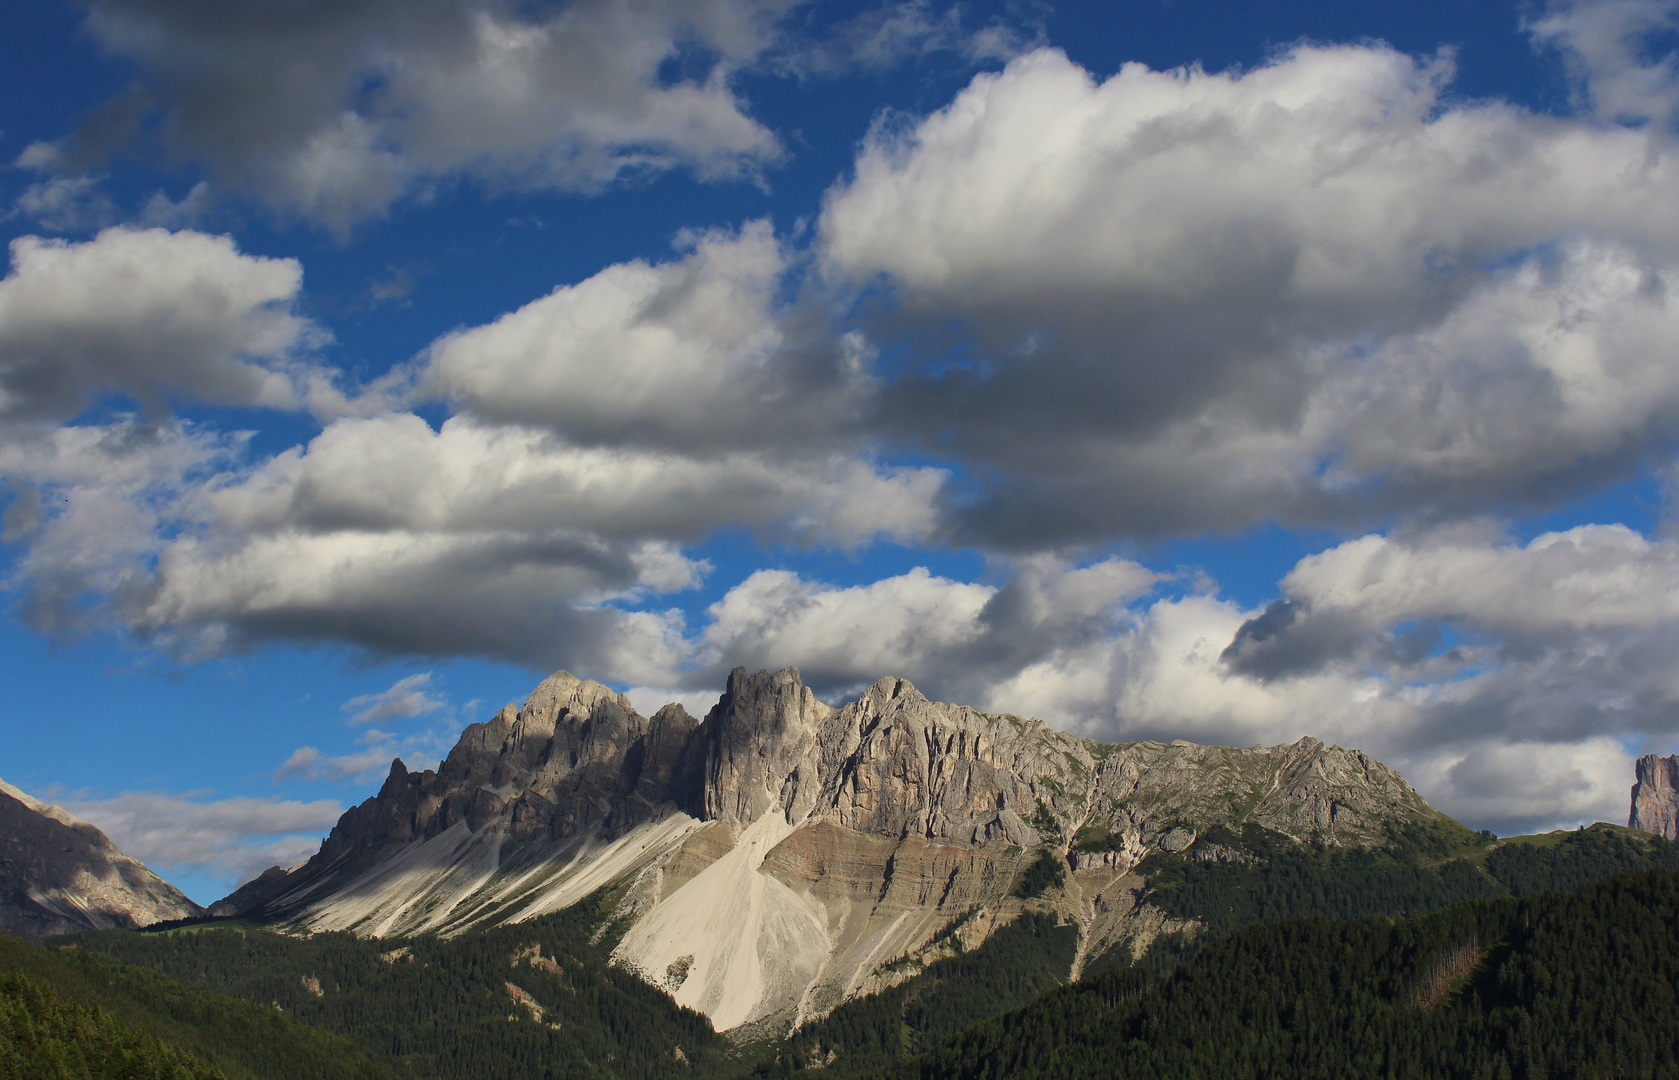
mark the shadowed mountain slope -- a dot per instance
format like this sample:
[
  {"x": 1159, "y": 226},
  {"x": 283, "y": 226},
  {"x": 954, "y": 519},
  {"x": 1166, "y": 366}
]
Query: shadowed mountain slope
[{"x": 59, "y": 874}]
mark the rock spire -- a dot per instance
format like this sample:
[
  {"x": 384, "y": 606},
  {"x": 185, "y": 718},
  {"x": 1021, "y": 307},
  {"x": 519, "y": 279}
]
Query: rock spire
[{"x": 1655, "y": 797}]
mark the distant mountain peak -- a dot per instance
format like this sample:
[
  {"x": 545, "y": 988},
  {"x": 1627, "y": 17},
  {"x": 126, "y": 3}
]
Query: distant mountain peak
[{"x": 59, "y": 874}]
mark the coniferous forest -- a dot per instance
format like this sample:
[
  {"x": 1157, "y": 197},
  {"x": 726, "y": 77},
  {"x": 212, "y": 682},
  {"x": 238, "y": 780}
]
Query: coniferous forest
[
  {"x": 1582, "y": 984},
  {"x": 1441, "y": 955},
  {"x": 533, "y": 1000},
  {"x": 45, "y": 1035},
  {"x": 178, "y": 1026}
]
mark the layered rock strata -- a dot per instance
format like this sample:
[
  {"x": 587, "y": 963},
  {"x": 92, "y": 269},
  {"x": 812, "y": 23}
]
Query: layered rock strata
[
  {"x": 776, "y": 858},
  {"x": 1655, "y": 797},
  {"x": 59, "y": 874}
]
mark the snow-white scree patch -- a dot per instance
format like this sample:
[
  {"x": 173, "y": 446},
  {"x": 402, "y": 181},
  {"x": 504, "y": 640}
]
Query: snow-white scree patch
[{"x": 746, "y": 943}]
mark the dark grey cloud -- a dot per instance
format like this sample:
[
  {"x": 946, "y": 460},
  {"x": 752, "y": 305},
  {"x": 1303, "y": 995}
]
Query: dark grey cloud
[{"x": 335, "y": 110}]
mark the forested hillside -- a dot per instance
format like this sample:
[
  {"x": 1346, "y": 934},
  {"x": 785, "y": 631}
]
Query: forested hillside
[
  {"x": 1557, "y": 985},
  {"x": 44, "y": 1036},
  {"x": 518, "y": 1002},
  {"x": 95, "y": 1002},
  {"x": 1225, "y": 881},
  {"x": 1015, "y": 966}
]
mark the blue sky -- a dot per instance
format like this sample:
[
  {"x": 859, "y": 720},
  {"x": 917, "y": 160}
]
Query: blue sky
[{"x": 1225, "y": 371}]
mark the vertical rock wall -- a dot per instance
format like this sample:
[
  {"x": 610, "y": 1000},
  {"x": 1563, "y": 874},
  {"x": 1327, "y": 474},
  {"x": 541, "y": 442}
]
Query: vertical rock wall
[{"x": 1655, "y": 798}]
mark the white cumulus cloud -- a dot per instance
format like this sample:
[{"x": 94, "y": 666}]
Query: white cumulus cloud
[
  {"x": 235, "y": 838},
  {"x": 405, "y": 699},
  {"x": 153, "y": 314},
  {"x": 1320, "y": 290}
]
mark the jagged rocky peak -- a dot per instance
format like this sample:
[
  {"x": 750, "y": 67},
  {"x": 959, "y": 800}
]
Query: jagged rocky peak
[
  {"x": 578, "y": 758},
  {"x": 59, "y": 874},
  {"x": 566, "y": 724},
  {"x": 891, "y": 763},
  {"x": 899, "y": 765},
  {"x": 1655, "y": 797},
  {"x": 575, "y": 755},
  {"x": 760, "y": 744}
]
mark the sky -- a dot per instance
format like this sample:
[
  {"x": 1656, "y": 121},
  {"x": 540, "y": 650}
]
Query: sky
[{"x": 1226, "y": 370}]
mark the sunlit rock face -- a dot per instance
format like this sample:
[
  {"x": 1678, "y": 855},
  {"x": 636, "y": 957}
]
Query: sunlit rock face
[
  {"x": 59, "y": 874},
  {"x": 1655, "y": 797},
  {"x": 772, "y": 860}
]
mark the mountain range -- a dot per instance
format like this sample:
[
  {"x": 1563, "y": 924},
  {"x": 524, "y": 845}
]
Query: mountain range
[
  {"x": 858, "y": 889},
  {"x": 782, "y": 856}
]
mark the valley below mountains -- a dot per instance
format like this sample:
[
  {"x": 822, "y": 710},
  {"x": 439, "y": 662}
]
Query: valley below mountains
[{"x": 782, "y": 856}]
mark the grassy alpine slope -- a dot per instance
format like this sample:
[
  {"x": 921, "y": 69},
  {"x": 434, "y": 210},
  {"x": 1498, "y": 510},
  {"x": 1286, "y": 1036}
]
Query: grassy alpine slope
[{"x": 1579, "y": 984}]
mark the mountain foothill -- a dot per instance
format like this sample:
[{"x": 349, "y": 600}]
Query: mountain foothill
[{"x": 895, "y": 886}]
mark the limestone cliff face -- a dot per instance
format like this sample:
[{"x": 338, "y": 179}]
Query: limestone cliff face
[
  {"x": 761, "y": 746},
  {"x": 894, "y": 764},
  {"x": 1655, "y": 797},
  {"x": 59, "y": 874},
  {"x": 899, "y": 765},
  {"x": 771, "y": 860}
]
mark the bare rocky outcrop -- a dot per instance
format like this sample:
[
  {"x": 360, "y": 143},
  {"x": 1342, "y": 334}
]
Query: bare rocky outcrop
[
  {"x": 783, "y": 854},
  {"x": 762, "y": 747},
  {"x": 1655, "y": 797},
  {"x": 59, "y": 874},
  {"x": 576, "y": 760}
]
